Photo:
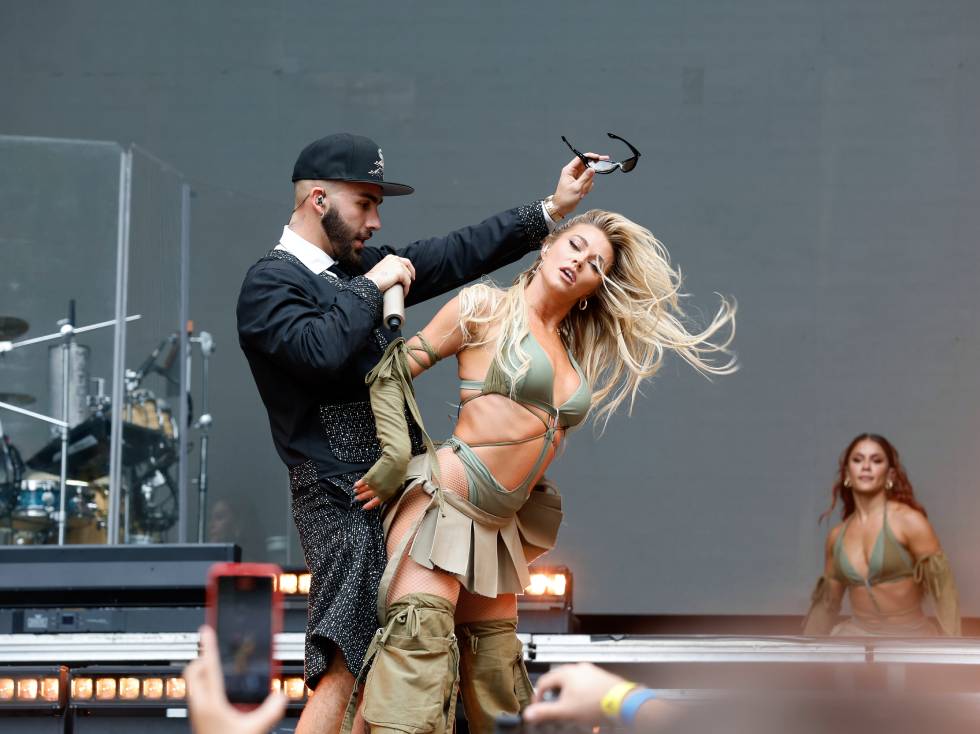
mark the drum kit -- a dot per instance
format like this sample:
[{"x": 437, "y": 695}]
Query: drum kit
[{"x": 60, "y": 494}]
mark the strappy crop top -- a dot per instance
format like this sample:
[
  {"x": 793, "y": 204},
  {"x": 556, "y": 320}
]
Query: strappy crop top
[
  {"x": 889, "y": 561},
  {"x": 534, "y": 390},
  {"x": 536, "y": 386}
]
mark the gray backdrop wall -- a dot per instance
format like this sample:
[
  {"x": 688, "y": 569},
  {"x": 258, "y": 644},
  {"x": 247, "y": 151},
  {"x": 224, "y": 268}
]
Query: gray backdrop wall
[{"x": 818, "y": 160}]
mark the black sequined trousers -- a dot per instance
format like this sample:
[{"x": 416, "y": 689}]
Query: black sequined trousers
[{"x": 344, "y": 547}]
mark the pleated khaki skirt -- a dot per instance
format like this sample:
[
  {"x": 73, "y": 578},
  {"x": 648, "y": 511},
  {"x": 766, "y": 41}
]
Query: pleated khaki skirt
[{"x": 487, "y": 553}]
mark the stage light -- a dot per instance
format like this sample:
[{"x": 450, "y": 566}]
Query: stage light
[
  {"x": 117, "y": 686},
  {"x": 294, "y": 582},
  {"x": 548, "y": 584},
  {"x": 40, "y": 688},
  {"x": 129, "y": 688},
  {"x": 105, "y": 689},
  {"x": 288, "y": 583},
  {"x": 153, "y": 688},
  {"x": 545, "y": 607},
  {"x": 275, "y": 685},
  {"x": 294, "y": 688},
  {"x": 81, "y": 688},
  {"x": 50, "y": 689},
  {"x": 27, "y": 689},
  {"x": 176, "y": 688}
]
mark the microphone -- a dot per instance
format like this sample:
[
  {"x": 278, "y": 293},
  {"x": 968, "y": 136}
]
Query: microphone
[
  {"x": 394, "y": 307},
  {"x": 149, "y": 362}
]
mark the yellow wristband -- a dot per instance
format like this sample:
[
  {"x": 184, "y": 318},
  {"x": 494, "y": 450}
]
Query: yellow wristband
[{"x": 613, "y": 699}]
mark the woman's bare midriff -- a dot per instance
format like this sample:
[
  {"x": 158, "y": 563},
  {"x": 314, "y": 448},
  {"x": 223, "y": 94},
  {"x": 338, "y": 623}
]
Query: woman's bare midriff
[
  {"x": 495, "y": 419},
  {"x": 898, "y": 602}
]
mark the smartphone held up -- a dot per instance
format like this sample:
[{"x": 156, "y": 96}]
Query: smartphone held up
[{"x": 245, "y": 610}]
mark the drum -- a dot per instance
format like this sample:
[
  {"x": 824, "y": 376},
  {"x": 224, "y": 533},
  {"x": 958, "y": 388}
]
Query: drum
[
  {"x": 87, "y": 526},
  {"x": 143, "y": 409},
  {"x": 39, "y": 498}
]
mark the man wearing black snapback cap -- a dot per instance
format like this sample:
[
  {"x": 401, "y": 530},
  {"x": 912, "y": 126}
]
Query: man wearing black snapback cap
[{"x": 309, "y": 322}]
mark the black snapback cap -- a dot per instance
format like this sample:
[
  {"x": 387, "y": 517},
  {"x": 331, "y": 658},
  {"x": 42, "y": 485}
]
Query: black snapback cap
[{"x": 346, "y": 157}]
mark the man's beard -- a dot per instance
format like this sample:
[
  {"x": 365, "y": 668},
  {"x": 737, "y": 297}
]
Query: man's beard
[{"x": 341, "y": 236}]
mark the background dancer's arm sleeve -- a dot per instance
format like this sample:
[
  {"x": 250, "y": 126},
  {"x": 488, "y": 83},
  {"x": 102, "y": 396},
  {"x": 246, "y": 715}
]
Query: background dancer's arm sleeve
[
  {"x": 824, "y": 608},
  {"x": 932, "y": 570},
  {"x": 936, "y": 578},
  {"x": 825, "y": 601}
]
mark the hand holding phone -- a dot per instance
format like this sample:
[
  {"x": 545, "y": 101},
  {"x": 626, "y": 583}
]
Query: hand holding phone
[
  {"x": 210, "y": 712},
  {"x": 245, "y": 610}
]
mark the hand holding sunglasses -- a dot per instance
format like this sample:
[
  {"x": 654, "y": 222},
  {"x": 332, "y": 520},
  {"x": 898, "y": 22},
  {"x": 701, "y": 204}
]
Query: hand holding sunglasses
[{"x": 608, "y": 166}]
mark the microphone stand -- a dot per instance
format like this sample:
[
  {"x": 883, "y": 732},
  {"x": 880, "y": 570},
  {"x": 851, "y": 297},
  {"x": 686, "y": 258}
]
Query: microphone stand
[
  {"x": 204, "y": 424},
  {"x": 66, "y": 333},
  {"x": 68, "y": 338}
]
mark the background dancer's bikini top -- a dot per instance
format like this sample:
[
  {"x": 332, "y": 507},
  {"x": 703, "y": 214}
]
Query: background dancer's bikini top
[{"x": 889, "y": 561}]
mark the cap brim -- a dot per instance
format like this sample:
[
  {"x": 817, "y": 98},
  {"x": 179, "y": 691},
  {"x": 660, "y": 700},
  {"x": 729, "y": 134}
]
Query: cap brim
[
  {"x": 387, "y": 187},
  {"x": 396, "y": 189}
]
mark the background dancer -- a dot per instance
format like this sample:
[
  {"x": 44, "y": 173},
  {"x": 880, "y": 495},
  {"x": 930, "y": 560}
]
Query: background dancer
[
  {"x": 309, "y": 322},
  {"x": 576, "y": 334},
  {"x": 885, "y": 553}
]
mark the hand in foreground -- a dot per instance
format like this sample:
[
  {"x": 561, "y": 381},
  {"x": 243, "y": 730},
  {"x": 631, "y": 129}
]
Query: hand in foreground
[
  {"x": 574, "y": 183},
  {"x": 209, "y": 709},
  {"x": 580, "y": 691},
  {"x": 364, "y": 493},
  {"x": 392, "y": 269}
]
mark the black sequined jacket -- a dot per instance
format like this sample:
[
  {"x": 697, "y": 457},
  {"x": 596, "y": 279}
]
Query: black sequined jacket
[{"x": 310, "y": 339}]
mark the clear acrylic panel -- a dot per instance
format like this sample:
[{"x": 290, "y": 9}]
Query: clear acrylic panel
[
  {"x": 151, "y": 465},
  {"x": 59, "y": 232}
]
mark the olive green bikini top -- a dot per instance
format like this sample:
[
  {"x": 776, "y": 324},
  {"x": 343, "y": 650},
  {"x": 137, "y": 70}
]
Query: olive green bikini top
[
  {"x": 535, "y": 387},
  {"x": 534, "y": 390},
  {"x": 889, "y": 561}
]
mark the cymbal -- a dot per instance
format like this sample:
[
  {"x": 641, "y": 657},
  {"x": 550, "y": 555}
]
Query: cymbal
[
  {"x": 11, "y": 327},
  {"x": 17, "y": 398}
]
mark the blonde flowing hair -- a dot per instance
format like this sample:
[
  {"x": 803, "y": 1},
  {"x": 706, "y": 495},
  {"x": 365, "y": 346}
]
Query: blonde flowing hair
[{"x": 631, "y": 320}]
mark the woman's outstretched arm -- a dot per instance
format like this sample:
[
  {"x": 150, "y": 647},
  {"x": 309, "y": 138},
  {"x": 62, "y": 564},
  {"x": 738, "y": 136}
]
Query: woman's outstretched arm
[{"x": 392, "y": 390}]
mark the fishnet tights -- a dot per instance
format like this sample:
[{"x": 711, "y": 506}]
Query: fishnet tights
[{"x": 413, "y": 578}]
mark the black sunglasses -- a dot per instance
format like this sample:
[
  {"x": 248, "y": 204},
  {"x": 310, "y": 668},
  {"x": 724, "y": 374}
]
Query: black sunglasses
[{"x": 608, "y": 166}]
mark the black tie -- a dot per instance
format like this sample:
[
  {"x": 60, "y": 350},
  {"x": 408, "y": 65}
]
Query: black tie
[{"x": 338, "y": 271}]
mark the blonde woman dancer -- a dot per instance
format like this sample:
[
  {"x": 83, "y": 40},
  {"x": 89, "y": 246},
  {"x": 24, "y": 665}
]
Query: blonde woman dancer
[{"x": 575, "y": 336}]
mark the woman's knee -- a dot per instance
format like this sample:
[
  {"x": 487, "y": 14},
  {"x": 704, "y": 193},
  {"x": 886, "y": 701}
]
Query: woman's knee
[{"x": 476, "y": 608}]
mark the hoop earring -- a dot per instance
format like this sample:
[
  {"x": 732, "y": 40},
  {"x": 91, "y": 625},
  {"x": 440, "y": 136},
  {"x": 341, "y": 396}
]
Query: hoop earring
[
  {"x": 847, "y": 482},
  {"x": 889, "y": 485},
  {"x": 583, "y": 304}
]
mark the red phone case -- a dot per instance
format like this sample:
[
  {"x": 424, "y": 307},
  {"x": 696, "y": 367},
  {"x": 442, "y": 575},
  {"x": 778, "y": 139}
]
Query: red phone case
[{"x": 247, "y": 569}]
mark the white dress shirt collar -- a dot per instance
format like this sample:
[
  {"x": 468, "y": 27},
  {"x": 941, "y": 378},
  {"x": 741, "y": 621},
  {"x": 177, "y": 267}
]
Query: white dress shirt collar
[{"x": 305, "y": 251}]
